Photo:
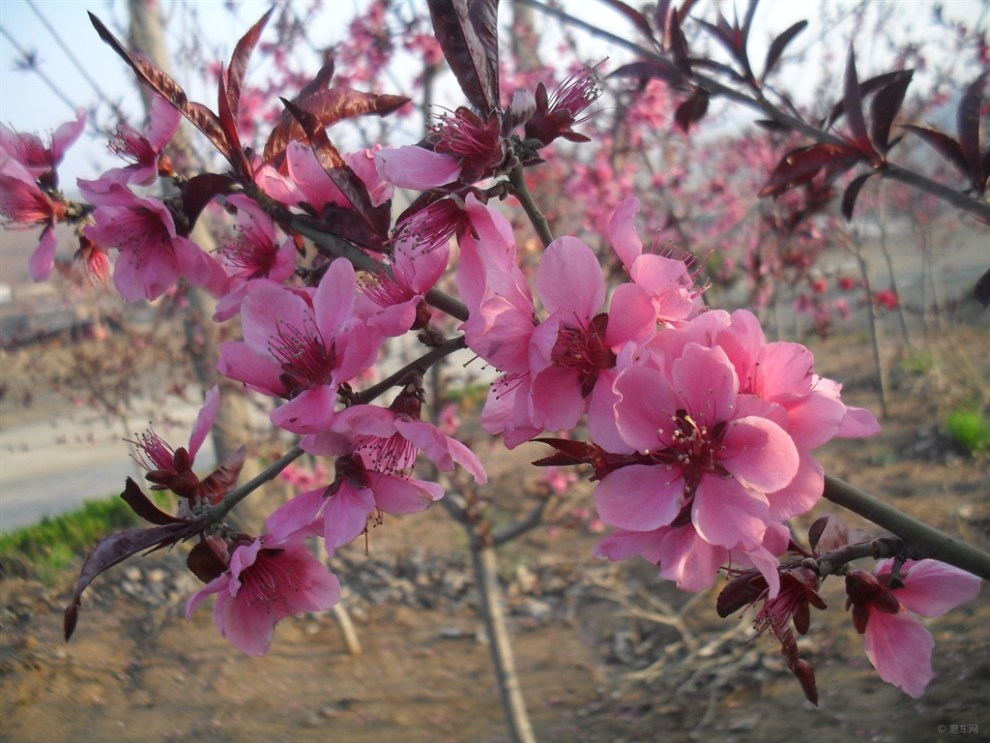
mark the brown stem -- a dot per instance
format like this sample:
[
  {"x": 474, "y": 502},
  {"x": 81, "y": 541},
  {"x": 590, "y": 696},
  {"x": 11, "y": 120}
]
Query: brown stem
[{"x": 517, "y": 177}]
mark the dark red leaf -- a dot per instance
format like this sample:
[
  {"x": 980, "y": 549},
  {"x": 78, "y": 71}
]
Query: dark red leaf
[
  {"x": 648, "y": 70},
  {"x": 327, "y": 107},
  {"x": 691, "y": 110},
  {"x": 815, "y": 532},
  {"x": 200, "y": 190},
  {"x": 806, "y": 675},
  {"x": 118, "y": 547},
  {"x": 853, "y": 104},
  {"x": 677, "y": 44},
  {"x": 569, "y": 452},
  {"x": 771, "y": 125},
  {"x": 852, "y": 193},
  {"x": 865, "y": 88},
  {"x": 198, "y": 115},
  {"x": 143, "y": 506},
  {"x": 223, "y": 479},
  {"x": 228, "y": 120},
  {"x": 968, "y": 123},
  {"x": 739, "y": 592},
  {"x": 946, "y": 145},
  {"x": 884, "y": 107},
  {"x": 982, "y": 289},
  {"x": 467, "y": 31},
  {"x": 239, "y": 61},
  {"x": 362, "y": 224},
  {"x": 832, "y": 535},
  {"x": 634, "y": 16},
  {"x": 803, "y": 164},
  {"x": 779, "y": 44},
  {"x": 204, "y": 563}
]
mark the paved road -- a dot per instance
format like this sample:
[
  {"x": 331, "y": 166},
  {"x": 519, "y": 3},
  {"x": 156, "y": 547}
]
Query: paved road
[{"x": 51, "y": 466}]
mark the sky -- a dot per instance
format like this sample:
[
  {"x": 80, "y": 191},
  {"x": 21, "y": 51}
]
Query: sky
[{"x": 27, "y": 103}]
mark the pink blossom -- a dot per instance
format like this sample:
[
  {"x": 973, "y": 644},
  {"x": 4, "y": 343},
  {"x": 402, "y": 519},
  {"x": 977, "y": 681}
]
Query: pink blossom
[
  {"x": 266, "y": 581},
  {"x": 666, "y": 282},
  {"x": 394, "y": 300},
  {"x": 153, "y": 256},
  {"x": 301, "y": 345},
  {"x": 172, "y": 468},
  {"x": 23, "y": 203},
  {"x": 897, "y": 644},
  {"x": 357, "y": 497},
  {"x": 254, "y": 254},
  {"x": 144, "y": 151},
  {"x": 416, "y": 168},
  {"x": 703, "y": 454},
  {"x": 37, "y": 159},
  {"x": 390, "y": 439}
]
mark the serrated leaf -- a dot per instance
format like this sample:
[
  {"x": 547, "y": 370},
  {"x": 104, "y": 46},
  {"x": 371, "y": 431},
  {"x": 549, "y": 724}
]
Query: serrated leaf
[
  {"x": 198, "y": 115},
  {"x": 853, "y": 104},
  {"x": 946, "y": 145},
  {"x": 852, "y": 193},
  {"x": 467, "y": 31},
  {"x": 884, "y": 107},
  {"x": 803, "y": 164},
  {"x": 117, "y": 548},
  {"x": 968, "y": 123},
  {"x": 691, "y": 110},
  {"x": 327, "y": 107},
  {"x": 778, "y": 45}
]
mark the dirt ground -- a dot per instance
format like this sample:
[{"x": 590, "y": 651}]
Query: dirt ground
[{"x": 606, "y": 652}]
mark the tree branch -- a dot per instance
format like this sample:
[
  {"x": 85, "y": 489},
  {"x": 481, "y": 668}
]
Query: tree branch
[
  {"x": 923, "y": 539},
  {"x": 957, "y": 199}
]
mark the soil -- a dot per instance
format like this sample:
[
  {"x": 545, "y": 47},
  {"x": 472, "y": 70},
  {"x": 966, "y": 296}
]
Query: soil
[{"x": 605, "y": 652}]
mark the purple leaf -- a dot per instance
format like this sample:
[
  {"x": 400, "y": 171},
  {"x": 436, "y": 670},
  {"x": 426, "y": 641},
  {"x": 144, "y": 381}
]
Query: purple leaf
[
  {"x": 968, "y": 123},
  {"x": 117, "y": 548},
  {"x": 467, "y": 31},
  {"x": 852, "y": 193},
  {"x": 803, "y": 164},
  {"x": 239, "y": 61},
  {"x": 648, "y": 70},
  {"x": 982, "y": 289},
  {"x": 200, "y": 190},
  {"x": 198, "y": 115},
  {"x": 853, "y": 101},
  {"x": 143, "y": 506},
  {"x": 327, "y": 107},
  {"x": 884, "y": 107},
  {"x": 946, "y": 145},
  {"x": 223, "y": 479},
  {"x": 691, "y": 110},
  {"x": 779, "y": 44}
]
